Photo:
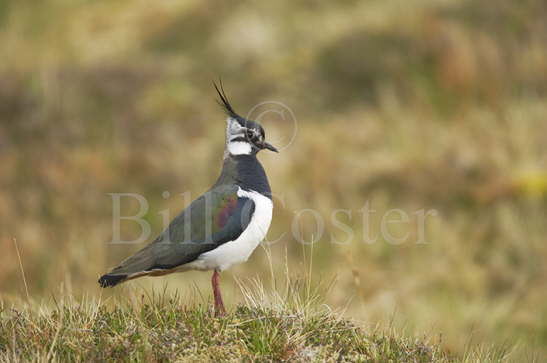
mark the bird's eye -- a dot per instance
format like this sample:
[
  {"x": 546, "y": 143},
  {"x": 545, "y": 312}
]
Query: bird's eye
[{"x": 251, "y": 135}]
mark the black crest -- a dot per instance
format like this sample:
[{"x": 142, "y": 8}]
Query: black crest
[{"x": 224, "y": 103}]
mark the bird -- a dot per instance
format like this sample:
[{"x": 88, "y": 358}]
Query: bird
[{"x": 223, "y": 226}]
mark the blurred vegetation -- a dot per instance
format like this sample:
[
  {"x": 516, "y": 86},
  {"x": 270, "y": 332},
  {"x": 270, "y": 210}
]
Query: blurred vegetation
[{"x": 415, "y": 105}]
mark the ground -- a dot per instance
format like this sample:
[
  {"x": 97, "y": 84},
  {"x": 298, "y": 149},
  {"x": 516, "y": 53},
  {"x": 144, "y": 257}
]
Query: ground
[{"x": 163, "y": 327}]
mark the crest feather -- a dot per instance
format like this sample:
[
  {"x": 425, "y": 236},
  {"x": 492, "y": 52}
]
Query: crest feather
[{"x": 224, "y": 103}]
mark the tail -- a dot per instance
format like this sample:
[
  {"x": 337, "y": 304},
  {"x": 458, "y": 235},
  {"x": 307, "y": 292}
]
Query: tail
[
  {"x": 110, "y": 280},
  {"x": 132, "y": 267},
  {"x": 147, "y": 261}
]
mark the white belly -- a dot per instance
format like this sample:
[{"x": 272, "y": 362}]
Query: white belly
[{"x": 239, "y": 250}]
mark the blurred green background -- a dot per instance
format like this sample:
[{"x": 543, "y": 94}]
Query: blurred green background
[{"x": 415, "y": 105}]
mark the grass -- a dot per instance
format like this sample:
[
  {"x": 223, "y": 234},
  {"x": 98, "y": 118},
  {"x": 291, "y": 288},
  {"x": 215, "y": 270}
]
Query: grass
[
  {"x": 166, "y": 327},
  {"x": 289, "y": 323}
]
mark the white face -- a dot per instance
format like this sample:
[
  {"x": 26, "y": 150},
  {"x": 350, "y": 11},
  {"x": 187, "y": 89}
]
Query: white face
[{"x": 234, "y": 131}]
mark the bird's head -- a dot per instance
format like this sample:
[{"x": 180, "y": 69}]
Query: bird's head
[{"x": 243, "y": 136}]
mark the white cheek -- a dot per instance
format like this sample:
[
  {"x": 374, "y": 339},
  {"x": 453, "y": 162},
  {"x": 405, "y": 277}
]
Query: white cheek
[
  {"x": 234, "y": 126},
  {"x": 239, "y": 148}
]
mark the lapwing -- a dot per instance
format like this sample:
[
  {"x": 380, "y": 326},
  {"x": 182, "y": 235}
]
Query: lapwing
[{"x": 223, "y": 226}]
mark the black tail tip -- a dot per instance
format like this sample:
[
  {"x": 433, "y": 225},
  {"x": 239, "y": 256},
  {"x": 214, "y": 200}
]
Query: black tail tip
[{"x": 111, "y": 280}]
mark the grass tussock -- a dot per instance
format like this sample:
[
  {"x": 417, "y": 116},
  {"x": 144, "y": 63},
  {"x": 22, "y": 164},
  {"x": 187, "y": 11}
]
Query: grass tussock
[{"x": 165, "y": 327}]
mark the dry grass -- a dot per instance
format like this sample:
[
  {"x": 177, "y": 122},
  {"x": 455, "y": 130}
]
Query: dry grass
[{"x": 284, "y": 326}]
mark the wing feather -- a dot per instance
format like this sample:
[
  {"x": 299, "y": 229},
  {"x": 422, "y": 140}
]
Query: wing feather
[{"x": 217, "y": 217}]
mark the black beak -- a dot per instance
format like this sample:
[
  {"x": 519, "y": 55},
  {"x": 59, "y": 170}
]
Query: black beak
[{"x": 268, "y": 146}]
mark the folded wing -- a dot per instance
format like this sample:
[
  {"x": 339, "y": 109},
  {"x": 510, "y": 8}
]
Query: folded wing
[{"x": 217, "y": 217}]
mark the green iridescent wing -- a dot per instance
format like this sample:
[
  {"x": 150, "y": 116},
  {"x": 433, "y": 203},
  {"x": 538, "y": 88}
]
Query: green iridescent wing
[{"x": 217, "y": 217}]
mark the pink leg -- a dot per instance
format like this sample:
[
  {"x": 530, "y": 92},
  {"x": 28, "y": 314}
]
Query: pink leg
[{"x": 219, "y": 305}]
